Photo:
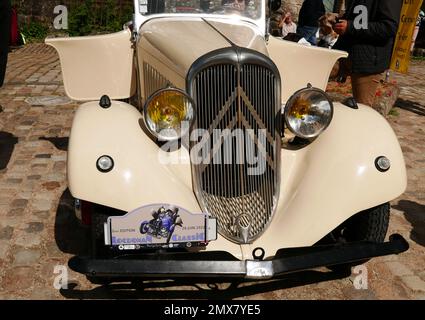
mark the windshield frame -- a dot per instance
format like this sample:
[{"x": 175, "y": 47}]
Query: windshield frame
[{"x": 260, "y": 22}]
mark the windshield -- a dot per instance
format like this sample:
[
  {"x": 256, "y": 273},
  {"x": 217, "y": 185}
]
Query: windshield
[{"x": 245, "y": 8}]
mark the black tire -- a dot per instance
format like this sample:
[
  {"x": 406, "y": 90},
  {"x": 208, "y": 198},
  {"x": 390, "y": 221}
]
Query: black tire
[{"x": 368, "y": 225}]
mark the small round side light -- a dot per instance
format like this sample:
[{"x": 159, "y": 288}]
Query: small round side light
[
  {"x": 105, "y": 164},
  {"x": 383, "y": 164}
]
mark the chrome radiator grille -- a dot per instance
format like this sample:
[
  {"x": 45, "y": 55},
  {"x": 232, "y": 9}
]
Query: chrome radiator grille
[{"x": 241, "y": 98}]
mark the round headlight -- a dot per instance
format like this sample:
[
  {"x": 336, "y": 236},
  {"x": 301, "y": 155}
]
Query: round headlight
[
  {"x": 169, "y": 114},
  {"x": 308, "y": 112}
]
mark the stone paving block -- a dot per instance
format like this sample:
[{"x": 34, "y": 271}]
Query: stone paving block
[
  {"x": 19, "y": 203},
  {"x": 26, "y": 257},
  {"x": 51, "y": 185},
  {"x": 4, "y": 247},
  {"x": 12, "y": 220},
  {"x": 41, "y": 205},
  {"x": 414, "y": 283},
  {"x": 42, "y": 215},
  {"x": 399, "y": 269},
  {"x": 34, "y": 227},
  {"x": 420, "y": 296},
  {"x": 17, "y": 212},
  {"x": 25, "y": 239},
  {"x": 24, "y": 195},
  {"x": 45, "y": 293},
  {"x": 14, "y": 180},
  {"x": 17, "y": 278},
  {"x": 6, "y": 233}
]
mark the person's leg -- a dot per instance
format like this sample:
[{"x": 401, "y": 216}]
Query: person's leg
[
  {"x": 415, "y": 35},
  {"x": 364, "y": 87},
  {"x": 313, "y": 38},
  {"x": 5, "y": 12},
  {"x": 308, "y": 33},
  {"x": 303, "y": 31}
]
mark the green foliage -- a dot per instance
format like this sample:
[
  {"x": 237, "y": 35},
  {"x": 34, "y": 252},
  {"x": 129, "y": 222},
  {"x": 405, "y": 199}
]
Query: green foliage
[
  {"x": 394, "y": 112},
  {"x": 91, "y": 18},
  {"x": 418, "y": 58},
  {"x": 34, "y": 31}
]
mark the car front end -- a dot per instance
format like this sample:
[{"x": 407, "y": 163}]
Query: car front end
[{"x": 232, "y": 161}]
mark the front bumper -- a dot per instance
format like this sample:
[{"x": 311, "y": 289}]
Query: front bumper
[{"x": 223, "y": 265}]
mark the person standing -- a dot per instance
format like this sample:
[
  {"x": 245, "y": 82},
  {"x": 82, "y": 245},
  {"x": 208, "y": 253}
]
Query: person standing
[
  {"x": 419, "y": 20},
  {"x": 5, "y": 14},
  {"x": 370, "y": 48},
  {"x": 287, "y": 25},
  {"x": 308, "y": 19}
]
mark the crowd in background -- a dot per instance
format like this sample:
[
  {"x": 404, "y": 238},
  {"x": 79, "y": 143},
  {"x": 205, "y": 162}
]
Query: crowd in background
[
  {"x": 370, "y": 49},
  {"x": 324, "y": 23}
]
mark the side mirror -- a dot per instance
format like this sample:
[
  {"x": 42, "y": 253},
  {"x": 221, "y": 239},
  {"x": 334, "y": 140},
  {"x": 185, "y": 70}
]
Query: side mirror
[{"x": 275, "y": 5}]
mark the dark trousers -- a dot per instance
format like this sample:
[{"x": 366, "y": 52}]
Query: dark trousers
[
  {"x": 308, "y": 33},
  {"x": 5, "y": 12}
]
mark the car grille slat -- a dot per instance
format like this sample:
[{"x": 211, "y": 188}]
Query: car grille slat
[
  {"x": 154, "y": 80},
  {"x": 232, "y": 96}
]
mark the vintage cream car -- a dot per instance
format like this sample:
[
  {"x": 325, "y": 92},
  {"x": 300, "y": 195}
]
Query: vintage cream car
[{"x": 209, "y": 148}]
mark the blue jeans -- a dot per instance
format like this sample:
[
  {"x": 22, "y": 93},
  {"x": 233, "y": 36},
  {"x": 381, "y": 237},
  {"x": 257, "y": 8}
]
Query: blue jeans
[{"x": 309, "y": 33}]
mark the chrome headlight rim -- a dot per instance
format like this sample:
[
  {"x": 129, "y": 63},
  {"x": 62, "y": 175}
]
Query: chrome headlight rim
[
  {"x": 294, "y": 96},
  {"x": 152, "y": 97}
]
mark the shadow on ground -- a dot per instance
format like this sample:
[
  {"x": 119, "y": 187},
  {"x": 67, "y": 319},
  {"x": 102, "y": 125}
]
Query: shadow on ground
[
  {"x": 411, "y": 106},
  {"x": 7, "y": 145},
  {"x": 71, "y": 237},
  {"x": 415, "y": 214},
  {"x": 60, "y": 143},
  {"x": 167, "y": 289}
]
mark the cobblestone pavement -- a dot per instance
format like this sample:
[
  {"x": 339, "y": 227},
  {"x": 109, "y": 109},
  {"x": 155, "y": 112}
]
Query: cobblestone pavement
[{"x": 38, "y": 230}]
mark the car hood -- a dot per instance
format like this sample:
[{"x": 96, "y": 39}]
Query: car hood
[{"x": 178, "y": 43}]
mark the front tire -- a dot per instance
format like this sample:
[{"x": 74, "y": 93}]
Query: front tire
[{"x": 369, "y": 225}]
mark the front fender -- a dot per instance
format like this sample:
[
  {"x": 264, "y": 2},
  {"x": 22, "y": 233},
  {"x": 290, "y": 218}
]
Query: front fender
[
  {"x": 335, "y": 177},
  {"x": 138, "y": 177}
]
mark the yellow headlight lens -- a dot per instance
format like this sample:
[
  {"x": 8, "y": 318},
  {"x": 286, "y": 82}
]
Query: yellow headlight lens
[
  {"x": 169, "y": 113},
  {"x": 308, "y": 113},
  {"x": 300, "y": 108}
]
